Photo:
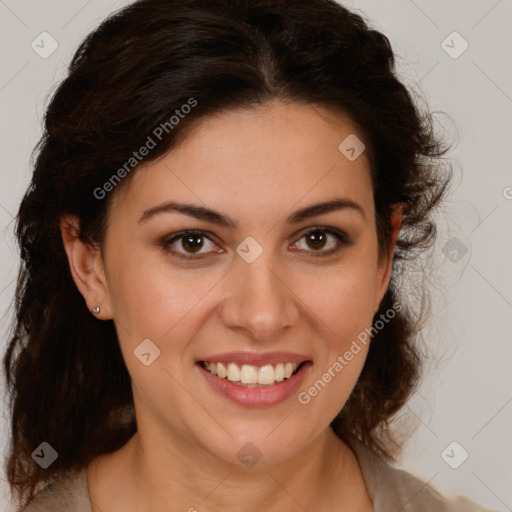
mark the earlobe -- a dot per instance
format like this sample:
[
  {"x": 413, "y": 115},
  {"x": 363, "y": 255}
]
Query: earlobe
[
  {"x": 386, "y": 261},
  {"x": 86, "y": 267}
]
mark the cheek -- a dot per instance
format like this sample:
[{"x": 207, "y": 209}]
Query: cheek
[
  {"x": 342, "y": 303},
  {"x": 150, "y": 302},
  {"x": 147, "y": 297},
  {"x": 342, "y": 297}
]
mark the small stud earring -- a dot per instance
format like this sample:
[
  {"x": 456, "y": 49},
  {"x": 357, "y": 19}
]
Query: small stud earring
[{"x": 96, "y": 310}]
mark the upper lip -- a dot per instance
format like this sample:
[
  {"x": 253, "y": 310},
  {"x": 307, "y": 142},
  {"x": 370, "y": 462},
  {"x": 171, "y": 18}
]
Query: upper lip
[{"x": 255, "y": 359}]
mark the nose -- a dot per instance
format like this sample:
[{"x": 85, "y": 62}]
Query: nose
[{"x": 260, "y": 300}]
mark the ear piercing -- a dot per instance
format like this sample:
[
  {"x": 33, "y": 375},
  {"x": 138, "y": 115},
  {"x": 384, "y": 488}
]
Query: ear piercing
[{"x": 96, "y": 310}]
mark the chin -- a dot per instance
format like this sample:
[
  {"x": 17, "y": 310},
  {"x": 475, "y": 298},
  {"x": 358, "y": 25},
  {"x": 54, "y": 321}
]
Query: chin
[{"x": 261, "y": 444}]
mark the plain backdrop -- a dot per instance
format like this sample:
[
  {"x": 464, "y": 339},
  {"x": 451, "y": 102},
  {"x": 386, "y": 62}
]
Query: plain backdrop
[{"x": 457, "y": 55}]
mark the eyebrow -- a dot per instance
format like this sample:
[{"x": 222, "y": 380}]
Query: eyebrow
[{"x": 208, "y": 215}]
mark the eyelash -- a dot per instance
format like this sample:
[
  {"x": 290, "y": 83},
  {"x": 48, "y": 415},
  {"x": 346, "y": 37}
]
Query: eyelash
[{"x": 339, "y": 235}]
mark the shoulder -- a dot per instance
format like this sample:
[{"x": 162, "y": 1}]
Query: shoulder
[
  {"x": 394, "y": 489},
  {"x": 69, "y": 494}
]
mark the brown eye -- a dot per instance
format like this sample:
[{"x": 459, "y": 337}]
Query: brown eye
[
  {"x": 192, "y": 242},
  {"x": 188, "y": 245},
  {"x": 316, "y": 239},
  {"x": 323, "y": 241}
]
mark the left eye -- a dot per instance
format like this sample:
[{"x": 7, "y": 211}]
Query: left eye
[
  {"x": 192, "y": 242},
  {"x": 317, "y": 239}
]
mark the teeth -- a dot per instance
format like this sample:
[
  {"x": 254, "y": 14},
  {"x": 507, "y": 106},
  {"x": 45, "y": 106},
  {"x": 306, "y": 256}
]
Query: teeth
[
  {"x": 248, "y": 374},
  {"x": 233, "y": 372},
  {"x": 252, "y": 375},
  {"x": 266, "y": 374},
  {"x": 222, "y": 371},
  {"x": 279, "y": 372}
]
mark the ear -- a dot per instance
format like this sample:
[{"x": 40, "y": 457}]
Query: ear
[
  {"x": 86, "y": 266},
  {"x": 385, "y": 264}
]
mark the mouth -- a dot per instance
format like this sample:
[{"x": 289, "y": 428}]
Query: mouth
[
  {"x": 249, "y": 375},
  {"x": 252, "y": 380}
]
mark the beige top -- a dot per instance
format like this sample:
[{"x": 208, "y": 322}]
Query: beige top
[{"x": 390, "y": 489}]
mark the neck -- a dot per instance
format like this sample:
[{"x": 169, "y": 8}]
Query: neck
[{"x": 156, "y": 474}]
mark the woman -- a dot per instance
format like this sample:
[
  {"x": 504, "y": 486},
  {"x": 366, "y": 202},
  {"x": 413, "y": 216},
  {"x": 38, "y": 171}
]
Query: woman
[{"x": 224, "y": 200}]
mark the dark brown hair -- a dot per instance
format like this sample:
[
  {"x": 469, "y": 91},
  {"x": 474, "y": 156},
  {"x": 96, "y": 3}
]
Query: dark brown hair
[{"x": 130, "y": 75}]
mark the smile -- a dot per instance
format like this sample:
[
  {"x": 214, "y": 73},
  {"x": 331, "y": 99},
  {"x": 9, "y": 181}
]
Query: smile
[
  {"x": 250, "y": 375},
  {"x": 254, "y": 380}
]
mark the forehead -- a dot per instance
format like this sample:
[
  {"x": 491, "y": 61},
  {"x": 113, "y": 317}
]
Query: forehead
[{"x": 257, "y": 161}]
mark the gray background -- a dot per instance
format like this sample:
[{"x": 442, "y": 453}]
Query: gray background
[{"x": 466, "y": 394}]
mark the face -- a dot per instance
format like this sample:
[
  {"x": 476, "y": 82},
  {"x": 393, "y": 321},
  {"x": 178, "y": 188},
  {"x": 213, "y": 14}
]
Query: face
[{"x": 248, "y": 281}]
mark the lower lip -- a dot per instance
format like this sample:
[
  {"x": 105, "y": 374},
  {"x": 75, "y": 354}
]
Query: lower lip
[{"x": 256, "y": 396}]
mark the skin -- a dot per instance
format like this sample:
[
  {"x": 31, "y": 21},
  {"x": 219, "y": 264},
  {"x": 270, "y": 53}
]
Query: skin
[{"x": 256, "y": 166}]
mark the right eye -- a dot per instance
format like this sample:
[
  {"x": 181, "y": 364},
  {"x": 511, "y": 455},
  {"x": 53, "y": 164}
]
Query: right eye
[{"x": 191, "y": 242}]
